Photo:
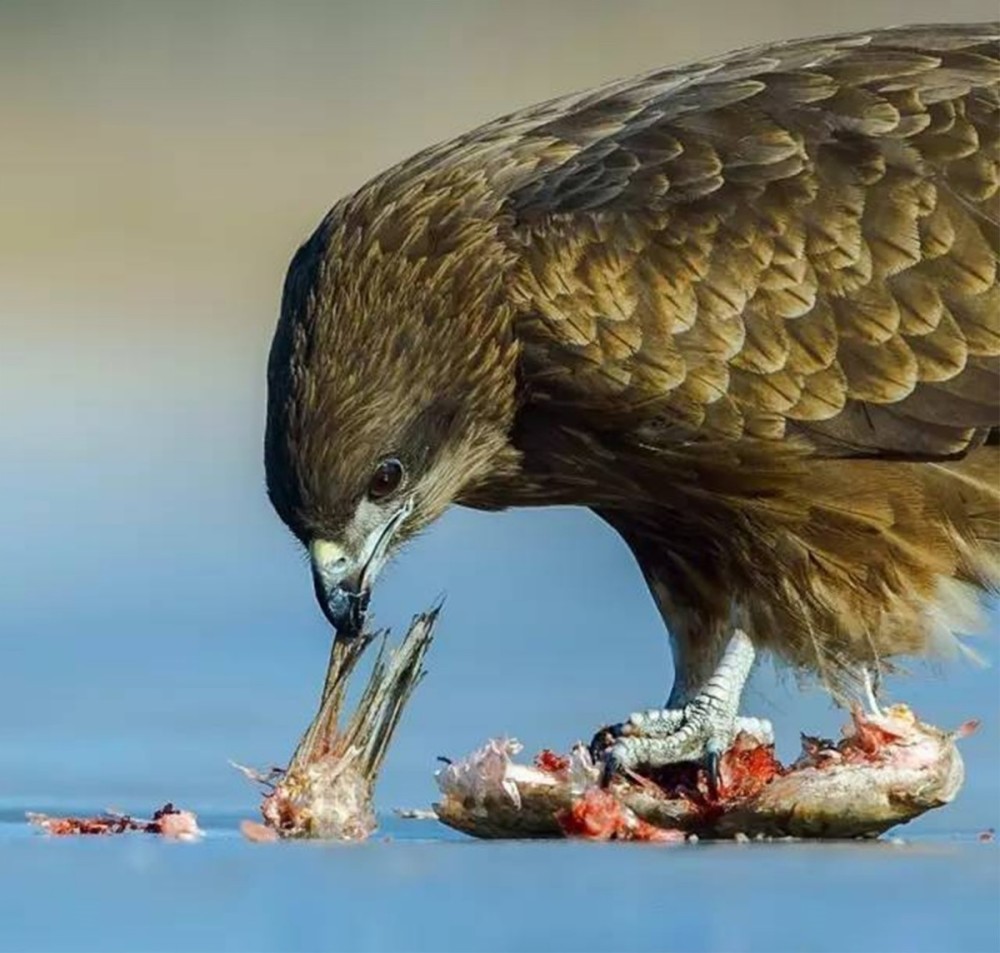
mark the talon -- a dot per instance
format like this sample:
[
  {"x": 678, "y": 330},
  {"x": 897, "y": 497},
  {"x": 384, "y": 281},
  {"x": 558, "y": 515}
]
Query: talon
[
  {"x": 612, "y": 764},
  {"x": 603, "y": 739},
  {"x": 712, "y": 761},
  {"x": 700, "y": 731}
]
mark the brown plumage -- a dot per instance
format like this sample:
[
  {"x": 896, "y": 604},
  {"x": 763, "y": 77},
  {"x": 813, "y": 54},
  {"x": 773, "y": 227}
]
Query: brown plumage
[{"x": 746, "y": 310}]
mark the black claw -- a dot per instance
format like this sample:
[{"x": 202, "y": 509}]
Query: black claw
[
  {"x": 609, "y": 769},
  {"x": 712, "y": 763},
  {"x": 604, "y": 739}
]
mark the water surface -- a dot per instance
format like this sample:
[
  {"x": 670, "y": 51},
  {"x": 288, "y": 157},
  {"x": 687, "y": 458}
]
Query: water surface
[{"x": 418, "y": 886}]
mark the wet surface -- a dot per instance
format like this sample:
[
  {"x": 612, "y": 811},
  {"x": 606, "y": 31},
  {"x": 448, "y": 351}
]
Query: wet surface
[{"x": 418, "y": 886}]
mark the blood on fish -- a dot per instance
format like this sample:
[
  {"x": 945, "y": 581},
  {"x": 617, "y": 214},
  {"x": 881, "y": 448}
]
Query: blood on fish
[
  {"x": 599, "y": 815},
  {"x": 596, "y": 815},
  {"x": 548, "y": 760},
  {"x": 746, "y": 768}
]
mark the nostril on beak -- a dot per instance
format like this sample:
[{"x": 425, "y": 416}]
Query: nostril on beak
[{"x": 329, "y": 559}]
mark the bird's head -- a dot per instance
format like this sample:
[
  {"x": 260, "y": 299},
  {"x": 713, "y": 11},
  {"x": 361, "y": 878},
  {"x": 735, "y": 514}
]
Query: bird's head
[{"x": 390, "y": 395}]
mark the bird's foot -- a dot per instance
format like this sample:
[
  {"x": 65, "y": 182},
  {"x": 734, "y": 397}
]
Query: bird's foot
[{"x": 700, "y": 731}]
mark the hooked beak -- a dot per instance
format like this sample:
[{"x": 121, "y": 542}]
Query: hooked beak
[
  {"x": 343, "y": 582},
  {"x": 343, "y": 602}
]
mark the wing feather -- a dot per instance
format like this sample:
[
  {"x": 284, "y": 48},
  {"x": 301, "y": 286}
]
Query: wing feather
[{"x": 793, "y": 242}]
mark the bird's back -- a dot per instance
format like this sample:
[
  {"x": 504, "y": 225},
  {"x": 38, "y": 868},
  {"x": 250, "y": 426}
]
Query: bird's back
[
  {"x": 759, "y": 309},
  {"x": 747, "y": 309},
  {"x": 795, "y": 241}
]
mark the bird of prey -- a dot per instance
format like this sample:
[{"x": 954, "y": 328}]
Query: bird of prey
[{"x": 747, "y": 311}]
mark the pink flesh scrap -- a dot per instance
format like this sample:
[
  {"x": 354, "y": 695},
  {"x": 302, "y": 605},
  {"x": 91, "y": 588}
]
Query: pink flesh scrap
[{"x": 168, "y": 822}]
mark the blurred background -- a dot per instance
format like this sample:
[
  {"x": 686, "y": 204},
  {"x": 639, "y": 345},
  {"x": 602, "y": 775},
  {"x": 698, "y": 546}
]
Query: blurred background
[{"x": 159, "y": 164}]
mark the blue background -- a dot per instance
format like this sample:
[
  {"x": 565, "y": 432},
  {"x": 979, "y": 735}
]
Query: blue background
[{"x": 159, "y": 163}]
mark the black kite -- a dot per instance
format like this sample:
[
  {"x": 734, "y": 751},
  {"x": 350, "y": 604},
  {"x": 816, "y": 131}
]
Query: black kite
[{"x": 747, "y": 311}]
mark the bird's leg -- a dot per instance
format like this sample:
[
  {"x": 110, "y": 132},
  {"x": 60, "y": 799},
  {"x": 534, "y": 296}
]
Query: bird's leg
[
  {"x": 700, "y": 730},
  {"x": 871, "y": 682}
]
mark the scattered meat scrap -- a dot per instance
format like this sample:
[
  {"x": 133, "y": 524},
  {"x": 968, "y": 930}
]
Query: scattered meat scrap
[
  {"x": 258, "y": 833},
  {"x": 168, "y": 821}
]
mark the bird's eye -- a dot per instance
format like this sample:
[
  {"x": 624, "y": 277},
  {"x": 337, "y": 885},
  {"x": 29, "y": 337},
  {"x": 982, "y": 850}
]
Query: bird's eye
[{"x": 386, "y": 479}]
